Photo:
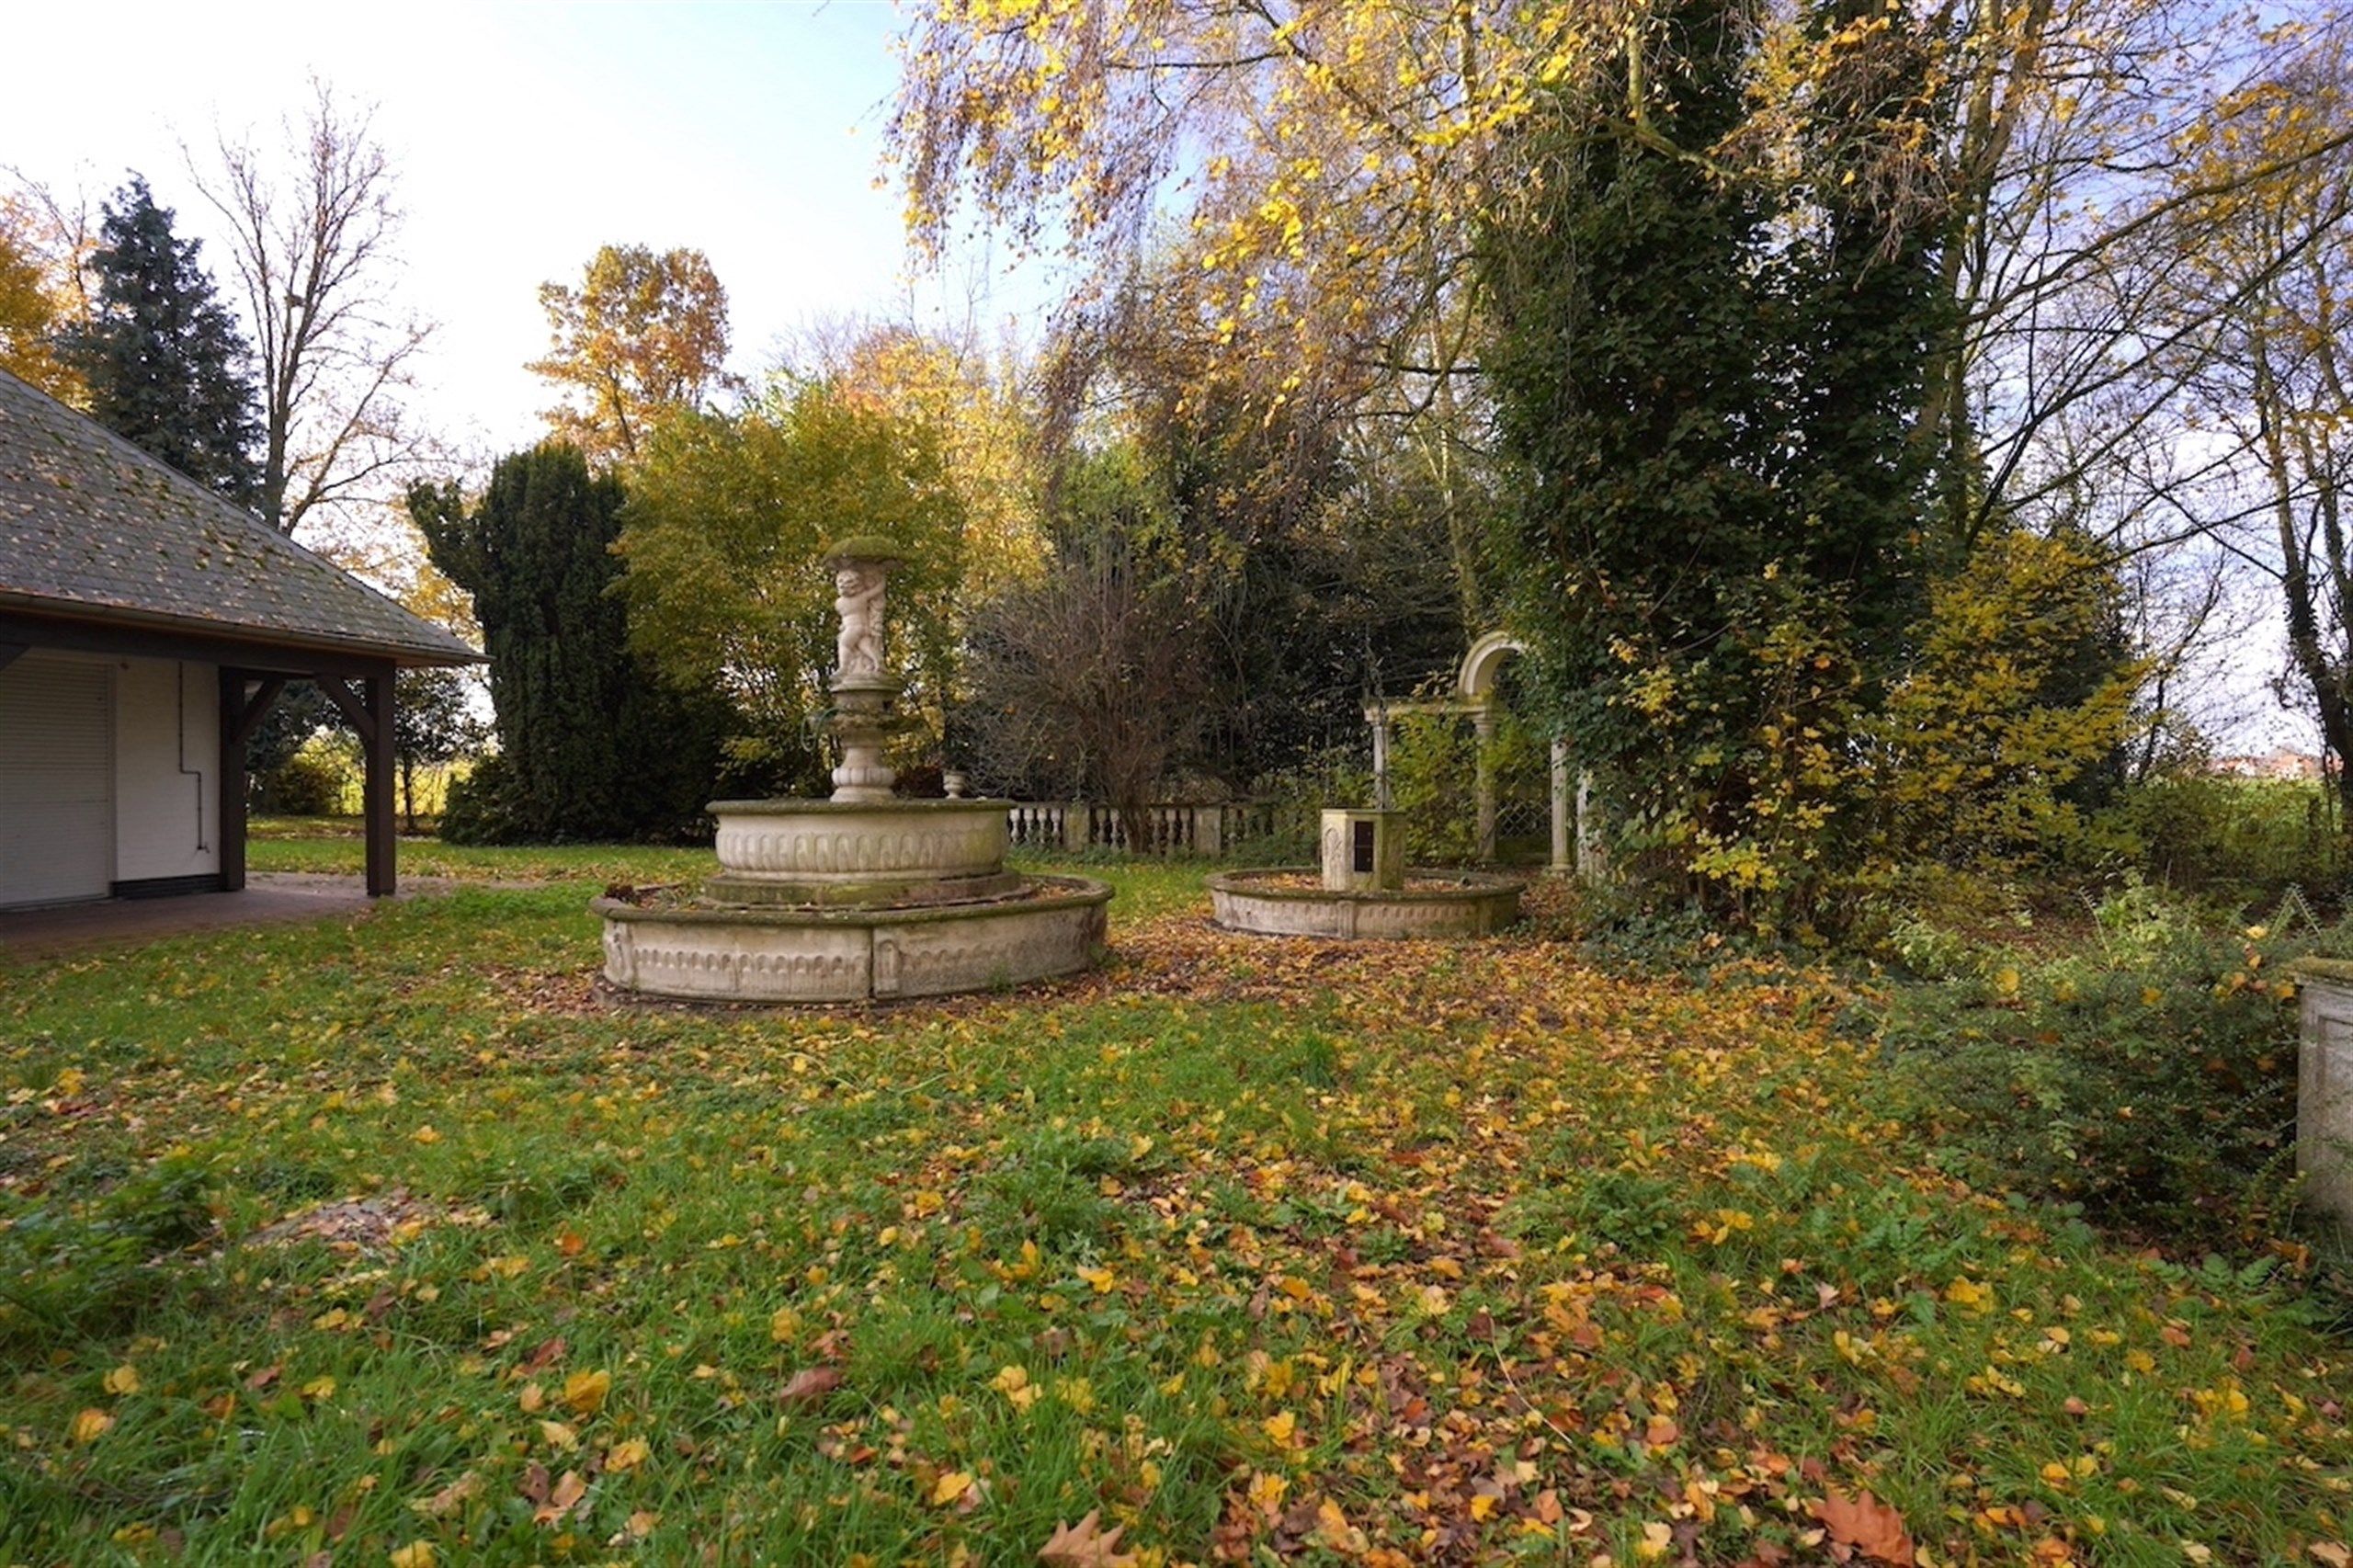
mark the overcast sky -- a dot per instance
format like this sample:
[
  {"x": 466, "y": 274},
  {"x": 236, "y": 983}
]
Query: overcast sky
[{"x": 524, "y": 136}]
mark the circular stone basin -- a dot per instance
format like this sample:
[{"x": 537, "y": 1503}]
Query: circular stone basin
[
  {"x": 832, "y": 852},
  {"x": 1054, "y": 926},
  {"x": 1292, "y": 902}
]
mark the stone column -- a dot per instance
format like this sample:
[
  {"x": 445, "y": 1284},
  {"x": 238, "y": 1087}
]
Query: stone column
[
  {"x": 1559, "y": 804},
  {"x": 1590, "y": 863},
  {"x": 1483, "y": 724},
  {"x": 1381, "y": 799}
]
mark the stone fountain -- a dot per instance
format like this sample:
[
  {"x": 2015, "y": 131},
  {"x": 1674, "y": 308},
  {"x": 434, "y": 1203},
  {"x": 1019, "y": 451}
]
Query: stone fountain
[
  {"x": 865, "y": 894},
  {"x": 1362, "y": 889}
]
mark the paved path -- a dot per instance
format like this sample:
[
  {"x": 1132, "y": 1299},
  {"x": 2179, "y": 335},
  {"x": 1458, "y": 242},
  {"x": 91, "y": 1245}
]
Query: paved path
[{"x": 267, "y": 897}]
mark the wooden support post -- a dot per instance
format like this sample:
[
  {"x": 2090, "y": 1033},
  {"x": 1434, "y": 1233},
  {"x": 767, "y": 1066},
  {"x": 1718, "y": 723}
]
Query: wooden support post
[
  {"x": 383, "y": 839},
  {"x": 370, "y": 710},
  {"x": 240, "y": 714}
]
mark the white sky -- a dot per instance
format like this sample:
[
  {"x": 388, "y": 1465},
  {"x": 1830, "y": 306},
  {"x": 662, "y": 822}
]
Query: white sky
[{"x": 523, "y": 137}]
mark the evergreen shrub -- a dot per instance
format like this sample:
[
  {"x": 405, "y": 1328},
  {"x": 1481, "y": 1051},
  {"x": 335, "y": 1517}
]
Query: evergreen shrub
[{"x": 2149, "y": 1076}]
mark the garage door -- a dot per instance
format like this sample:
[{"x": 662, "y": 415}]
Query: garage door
[{"x": 56, "y": 781}]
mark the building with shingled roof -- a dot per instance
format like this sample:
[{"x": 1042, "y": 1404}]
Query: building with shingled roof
[{"x": 146, "y": 625}]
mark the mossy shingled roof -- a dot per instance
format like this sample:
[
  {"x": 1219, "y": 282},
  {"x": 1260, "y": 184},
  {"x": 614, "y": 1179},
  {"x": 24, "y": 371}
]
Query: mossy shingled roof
[{"x": 95, "y": 528}]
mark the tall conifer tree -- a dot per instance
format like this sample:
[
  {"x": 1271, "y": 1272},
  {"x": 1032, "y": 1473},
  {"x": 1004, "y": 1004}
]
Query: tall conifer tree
[
  {"x": 166, "y": 366},
  {"x": 590, "y": 744}
]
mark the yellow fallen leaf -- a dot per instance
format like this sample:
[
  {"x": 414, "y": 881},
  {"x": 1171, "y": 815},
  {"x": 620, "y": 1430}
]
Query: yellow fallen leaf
[
  {"x": 1280, "y": 1427},
  {"x": 784, "y": 1325},
  {"x": 584, "y": 1392},
  {"x": 416, "y": 1554},
  {"x": 949, "y": 1487},
  {"x": 426, "y": 1134},
  {"x": 627, "y": 1456},
  {"x": 123, "y": 1380},
  {"x": 559, "y": 1436},
  {"x": 318, "y": 1388},
  {"x": 92, "y": 1425}
]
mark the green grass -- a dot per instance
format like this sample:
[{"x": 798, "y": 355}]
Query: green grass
[{"x": 1265, "y": 1249}]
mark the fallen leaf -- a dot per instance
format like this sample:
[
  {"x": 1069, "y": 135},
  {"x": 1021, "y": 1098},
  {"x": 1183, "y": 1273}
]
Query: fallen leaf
[
  {"x": 584, "y": 1392},
  {"x": 449, "y": 1498},
  {"x": 92, "y": 1425},
  {"x": 949, "y": 1487},
  {"x": 2332, "y": 1553},
  {"x": 568, "y": 1493},
  {"x": 1868, "y": 1525},
  {"x": 628, "y": 1456},
  {"x": 809, "y": 1385},
  {"x": 416, "y": 1554},
  {"x": 123, "y": 1380},
  {"x": 1086, "y": 1545}
]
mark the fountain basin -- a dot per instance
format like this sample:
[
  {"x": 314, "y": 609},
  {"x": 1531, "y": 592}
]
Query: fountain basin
[
  {"x": 837, "y": 852},
  {"x": 696, "y": 952},
  {"x": 1291, "y": 902}
]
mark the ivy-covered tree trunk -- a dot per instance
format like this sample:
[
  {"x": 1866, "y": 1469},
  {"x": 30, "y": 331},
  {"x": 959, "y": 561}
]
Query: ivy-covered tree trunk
[{"x": 1707, "y": 383}]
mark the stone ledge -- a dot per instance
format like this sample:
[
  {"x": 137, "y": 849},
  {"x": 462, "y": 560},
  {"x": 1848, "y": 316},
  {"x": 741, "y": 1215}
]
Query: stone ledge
[
  {"x": 853, "y": 955},
  {"x": 1477, "y": 904}
]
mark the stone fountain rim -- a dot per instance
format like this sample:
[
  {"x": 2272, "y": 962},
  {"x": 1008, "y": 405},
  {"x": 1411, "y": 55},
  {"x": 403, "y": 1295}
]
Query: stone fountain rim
[
  {"x": 1467, "y": 885},
  {"x": 793, "y": 806},
  {"x": 1079, "y": 892}
]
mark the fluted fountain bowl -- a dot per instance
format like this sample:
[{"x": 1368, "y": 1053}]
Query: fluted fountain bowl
[{"x": 836, "y": 853}]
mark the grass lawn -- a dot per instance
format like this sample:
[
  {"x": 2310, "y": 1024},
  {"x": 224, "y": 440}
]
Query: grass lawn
[{"x": 393, "y": 1240}]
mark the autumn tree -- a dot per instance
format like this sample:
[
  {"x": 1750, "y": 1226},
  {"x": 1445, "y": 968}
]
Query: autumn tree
[
  {"x": 643, "y": 333},
  {"x": 978, "y": 409},
  {"x": 2274, "y": 368},
  {"x": 33, "y": 315},
  {"x": 312, "y": 230},
  {"x": 729, "y": 518},
  {"x": 161, "y": 357}
]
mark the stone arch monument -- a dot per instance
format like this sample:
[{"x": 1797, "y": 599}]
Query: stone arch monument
[{"x": 1576, "y": 843}]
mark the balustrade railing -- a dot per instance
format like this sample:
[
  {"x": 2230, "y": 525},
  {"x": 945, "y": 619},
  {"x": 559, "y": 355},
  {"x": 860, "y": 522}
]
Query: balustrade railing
[{"x": 1213, "y": 830}]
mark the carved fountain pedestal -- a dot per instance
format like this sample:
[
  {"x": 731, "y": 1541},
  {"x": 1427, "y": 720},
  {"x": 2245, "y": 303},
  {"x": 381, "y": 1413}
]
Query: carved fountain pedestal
[{"x": 864, "y": 896}]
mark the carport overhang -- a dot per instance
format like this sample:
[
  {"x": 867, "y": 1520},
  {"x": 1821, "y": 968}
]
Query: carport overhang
[{"x": 255, "y": 666}]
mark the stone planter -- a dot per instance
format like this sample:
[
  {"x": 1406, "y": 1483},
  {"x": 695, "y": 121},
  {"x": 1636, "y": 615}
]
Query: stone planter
[
  {"x": 1287, "y": 901},
  {"x": 699, "y": 953}
]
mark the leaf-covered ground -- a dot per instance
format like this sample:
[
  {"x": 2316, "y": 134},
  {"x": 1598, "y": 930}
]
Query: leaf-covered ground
[{"x": 394, "y": 1241}]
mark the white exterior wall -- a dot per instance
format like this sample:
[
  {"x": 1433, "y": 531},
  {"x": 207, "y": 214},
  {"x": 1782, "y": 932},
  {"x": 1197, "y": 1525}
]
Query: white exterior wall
[{"x": 167, "y": 769}]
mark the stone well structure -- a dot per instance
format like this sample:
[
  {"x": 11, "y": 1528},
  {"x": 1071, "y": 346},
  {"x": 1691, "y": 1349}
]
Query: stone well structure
[
  {"x": 1363, "y": 889},
  {"x": 864, "y": 896}
]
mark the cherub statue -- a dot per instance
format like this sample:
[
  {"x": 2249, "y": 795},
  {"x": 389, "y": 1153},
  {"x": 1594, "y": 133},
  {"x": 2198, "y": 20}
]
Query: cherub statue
[{"x": 857, "y": 600}]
